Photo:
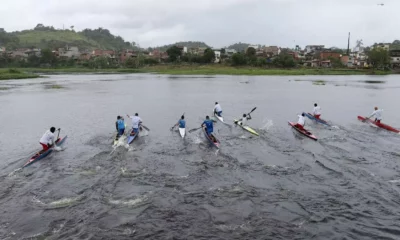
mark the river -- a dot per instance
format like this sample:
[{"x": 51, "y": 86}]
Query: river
[{"x": 276, "y": 186}]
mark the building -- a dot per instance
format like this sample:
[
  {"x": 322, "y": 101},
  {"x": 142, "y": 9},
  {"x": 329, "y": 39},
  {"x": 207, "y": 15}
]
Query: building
[
  {"x": 313, "y": 48},
  {"x": 272, "y": 50},
  {"x": 106, "y": 53},
  {"x": 2, "y": 50},
  {"x": 126, "y": 54},
  {"x": 229, "y": 52},
  {"x": 24, "y": 53},
  {"x": 69, "y": 52},
  {"x": 217, "y": 53},
  {"x": 324, "y": 55},
  {"x": 394, "y": 58},
  {"x": 385, "y": 46}
]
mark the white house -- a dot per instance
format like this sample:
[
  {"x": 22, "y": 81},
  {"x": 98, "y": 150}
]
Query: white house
[
  {"x": 312, "y": 48},
  {"x": 229, "y": 52},
  {"x": 69, "y": 52},
  {"x": 217, "y": 56}
]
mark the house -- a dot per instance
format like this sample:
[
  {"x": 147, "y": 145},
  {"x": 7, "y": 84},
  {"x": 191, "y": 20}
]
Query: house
[
  {"x": 85, "y": 56},
  {"x": 126, "y": 54},
  {"x": 394, "y": 58},
  {"x": 324, "y": 55},
  {"x": 385, "y": 46},
  {"x": 229, "y": 52},
  {"x": 197, "y": 50},
  {"x": 326, "y": 63},
  {"x": 256, "y": 47},
  {"x": 272, "y": 50},
  {"x": 24, "y": 53},
  {"x": 69, "y": 52},
  {"x": 313, "y": 48},
  {"x": 2, "y": 50},
  {"x": 217, "y": 53},
  {"x": 106, "y": 53}
]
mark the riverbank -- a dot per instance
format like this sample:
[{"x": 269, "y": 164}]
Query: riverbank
[
  {"x": 228, "y": 70},
  {"x": 22, "y": 73},
  {"x": 8, "y": 74}
]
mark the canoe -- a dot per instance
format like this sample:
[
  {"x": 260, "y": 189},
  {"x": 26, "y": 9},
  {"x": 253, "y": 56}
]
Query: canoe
[
  {"x": 303, "y": 132},
  {"x": 40, "y": 155},
  {"x": 132, "y": 136},
  {"x": 215, "y": 142},
  {"x": 221, "y": 119},
  {"x": 381, "y": 125},
  {"x": 245, "y": 127},
  {"x": 311, "y": 116},
  {"x": 182, "y": 132}
]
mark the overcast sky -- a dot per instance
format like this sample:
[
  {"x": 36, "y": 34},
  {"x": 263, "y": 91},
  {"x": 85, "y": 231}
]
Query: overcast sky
[{"x": 219, "y": 23}]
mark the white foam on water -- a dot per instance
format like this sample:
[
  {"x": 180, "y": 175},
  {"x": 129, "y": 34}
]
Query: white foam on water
[
  {"x": 129, "y": 203},
  {"x": 267, "y": 124},
  {"x": 394, "y": 181}
]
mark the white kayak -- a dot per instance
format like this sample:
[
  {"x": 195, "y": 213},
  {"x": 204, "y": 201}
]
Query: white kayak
[
  {"x": 182, "y": 132},
  {"x": 218, "y": 117}
]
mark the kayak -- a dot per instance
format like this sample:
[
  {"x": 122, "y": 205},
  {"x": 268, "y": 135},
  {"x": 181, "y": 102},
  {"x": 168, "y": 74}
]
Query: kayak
[
  {"x": 381, "y": 125},
  {"x": 214, "y": 142},
  {"x": 40, "y": 155},
  {"x": 247, "y": 128},
  {"x": 218, "y": 117},
  {"x": 310, "y": 116},
  {"x": 304, "y": 132},
  {"x": 132, "y": 136},
  {"x": 182, "y": 132}
]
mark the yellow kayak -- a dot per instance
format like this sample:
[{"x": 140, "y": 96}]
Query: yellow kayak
[{"x": 247, "y": 128}]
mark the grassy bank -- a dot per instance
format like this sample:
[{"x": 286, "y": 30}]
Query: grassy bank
[
  {"x": 194, "y": 70},
  {"x": 80, "y": 70},
  {"x": 7, "y": 74},
  {"x": 228, "y": 70}
]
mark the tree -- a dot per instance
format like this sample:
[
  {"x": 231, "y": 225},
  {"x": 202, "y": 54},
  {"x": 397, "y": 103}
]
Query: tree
[
  {"x": 251, "y": 51},
  {"x": 174, "y": 53},
  {"x": 239, "y": 59},
  {"x": 284, "y": 60},
  {"x": 72, "y": 28},
  {"x": 209, "y": 55},
  {"x": 379, "y": 57},
  {"x": 47, "y": 57},
  {"x": 336, "y": 63}
]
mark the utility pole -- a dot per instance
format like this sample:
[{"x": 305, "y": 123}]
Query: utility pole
[{"x": 348, "y": 45}]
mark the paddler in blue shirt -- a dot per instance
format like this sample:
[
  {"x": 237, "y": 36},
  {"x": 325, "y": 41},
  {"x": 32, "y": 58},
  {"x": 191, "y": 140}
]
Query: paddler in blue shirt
[
  {"x": 181, "y": 122},
  {"x": 209, "y": 126},
  {"x": 120, "y": 125}
]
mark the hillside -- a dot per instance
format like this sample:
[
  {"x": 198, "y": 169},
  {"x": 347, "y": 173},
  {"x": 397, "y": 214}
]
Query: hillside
[
  {"x": 188, "y": 44},
  {"x": 48, "y": 37}
]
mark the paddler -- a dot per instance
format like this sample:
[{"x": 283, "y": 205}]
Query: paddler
[
  {"x": 317, "y": 111},
  {"x": 218, "y": 109},
  {"x": 181, "y": 122},
  {"x": 301, "y": 122},
  {"x": 209, "y": 125},
  {"x": 244, "y": 119},
  {"x": 120, "y": 125},
  {"x": 47, "y": 139},
  {"x": 136, "y": 122},
  {"x": 377, "y": 114}
]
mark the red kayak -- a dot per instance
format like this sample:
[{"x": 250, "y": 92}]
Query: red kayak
[
  {"x": 304, "y": 132},
  {"x": 381, "y": 125}
]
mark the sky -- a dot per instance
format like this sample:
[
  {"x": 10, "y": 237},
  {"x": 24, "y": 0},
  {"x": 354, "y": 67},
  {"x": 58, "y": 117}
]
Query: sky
[{"x": 218, "y": 23}]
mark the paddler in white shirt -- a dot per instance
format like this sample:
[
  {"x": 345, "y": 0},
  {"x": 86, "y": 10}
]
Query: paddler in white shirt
[
  {"x": 377, "y": 114},
  {"x": 136, "y": 122},
  {"x": 218, "y": 109},
  {"x": 47, "y": 139},
  {"x": 317, "y": 111},
  {"x": 244, "y": 119},
  {"x": 301, "y": 122}
]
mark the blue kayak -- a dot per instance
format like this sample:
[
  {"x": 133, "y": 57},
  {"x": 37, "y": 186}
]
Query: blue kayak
[
  {"x": 310, "y": 116},
  {"x": 40, "y": 155},
  {"x": 132, "y": 136}
]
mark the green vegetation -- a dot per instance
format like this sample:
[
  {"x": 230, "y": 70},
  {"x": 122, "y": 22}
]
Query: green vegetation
[
  {"x": 240, "y": 47},
  {"x": 189, "y": 44},
  {"x": 48, "y": 37},
  {"x": 379, "y": 58},
  {"x": 55, "y": 86},
  {"x": 218, "y": 69},
  {"x": 6, "y": 74},
  {"x": 319, "y": 82}
]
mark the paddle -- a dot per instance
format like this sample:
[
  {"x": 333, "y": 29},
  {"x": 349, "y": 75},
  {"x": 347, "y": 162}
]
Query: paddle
[
  {"x": 176, "y": 123},
  {"x": 145, "y": 127},
  {"x": 249, "y": 113},
  {"x": 195, "y": 129}
]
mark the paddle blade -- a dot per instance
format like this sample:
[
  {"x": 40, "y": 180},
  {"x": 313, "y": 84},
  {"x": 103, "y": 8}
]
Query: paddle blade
[{"x": 253, "y": 110}]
